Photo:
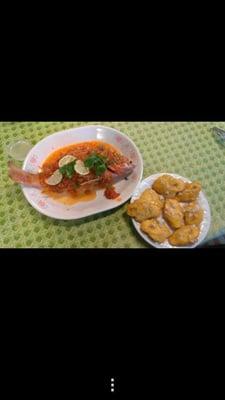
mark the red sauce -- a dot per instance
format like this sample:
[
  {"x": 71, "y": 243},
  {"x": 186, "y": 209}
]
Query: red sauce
[
  {"x": 65, "y": 191},
  {"x": 80, "y": 151},
  {"x": 110, "y": 193},
  {"x": 69, "y": 198}
]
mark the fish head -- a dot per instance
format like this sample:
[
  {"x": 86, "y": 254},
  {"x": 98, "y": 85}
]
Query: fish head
[{"x": 123, "y": 169}]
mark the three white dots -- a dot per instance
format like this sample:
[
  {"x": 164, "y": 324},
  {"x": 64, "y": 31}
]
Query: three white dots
[{"x": 112, "y": 385}]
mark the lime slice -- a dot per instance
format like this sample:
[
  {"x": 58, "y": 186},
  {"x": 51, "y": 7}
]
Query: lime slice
[
  {"x": 55, "y": 178},
  {"x": 66, "y": 160},
  {"x": 80, "y": 168}
]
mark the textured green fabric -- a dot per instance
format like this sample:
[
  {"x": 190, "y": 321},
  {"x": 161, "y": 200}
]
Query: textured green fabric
[{"x": 186, "y": 148}]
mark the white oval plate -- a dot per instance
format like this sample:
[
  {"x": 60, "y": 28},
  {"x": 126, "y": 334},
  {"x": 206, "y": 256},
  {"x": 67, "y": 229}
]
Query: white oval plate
[
  {"x": 41, "y": 150},
  {"x": 202, "y": 201}
]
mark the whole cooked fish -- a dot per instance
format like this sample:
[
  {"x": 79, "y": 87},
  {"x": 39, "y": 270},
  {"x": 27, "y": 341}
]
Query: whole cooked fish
[{"x": 78, "y": 168}]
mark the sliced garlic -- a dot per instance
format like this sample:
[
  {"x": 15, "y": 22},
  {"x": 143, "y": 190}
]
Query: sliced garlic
[
  {"x": 55, "y": 178},
  {"x": 66, "y": 160},
  {"x": 80, "y": 168}
]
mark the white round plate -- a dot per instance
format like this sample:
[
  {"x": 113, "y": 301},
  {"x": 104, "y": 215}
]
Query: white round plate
[
  {"x": 202, "y": 201},
  {"x": 41, "y": 150}
]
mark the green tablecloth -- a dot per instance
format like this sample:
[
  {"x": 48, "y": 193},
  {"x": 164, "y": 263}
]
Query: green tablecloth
[{"x": 186, "y": 148}]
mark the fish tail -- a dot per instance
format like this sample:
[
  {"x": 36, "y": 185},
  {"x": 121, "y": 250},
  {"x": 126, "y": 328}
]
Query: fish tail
[{"x": 20, "y": 176}]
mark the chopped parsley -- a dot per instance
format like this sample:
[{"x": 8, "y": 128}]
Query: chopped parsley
[
  {"x": 96, "y": 163},
  {"x": 68, "y": 169}
]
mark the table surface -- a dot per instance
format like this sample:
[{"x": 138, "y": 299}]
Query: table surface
[{"x": 189, "y": 149}]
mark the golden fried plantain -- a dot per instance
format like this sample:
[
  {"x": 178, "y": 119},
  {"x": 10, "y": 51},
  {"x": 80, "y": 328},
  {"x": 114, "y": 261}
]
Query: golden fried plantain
[
  {"x": 193, "y": 214},
  {"x": 168, "y": 186},
  {"x": 190, "y": 192},
  {"x": 187, "y": 234},
  {"x": 149, "y": 205},
  {"x": 173, "y": 213},
  {"x": 192, "y": 206},
  {"x": 193, "y": 218},
  {"x": 158, "y": 231}
]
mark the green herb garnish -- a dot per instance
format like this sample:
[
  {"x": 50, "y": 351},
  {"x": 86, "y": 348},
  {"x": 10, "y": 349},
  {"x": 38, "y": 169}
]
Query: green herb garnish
[
  {"x": 68, "y": 169},
  {"x": 97, "y": 163}
]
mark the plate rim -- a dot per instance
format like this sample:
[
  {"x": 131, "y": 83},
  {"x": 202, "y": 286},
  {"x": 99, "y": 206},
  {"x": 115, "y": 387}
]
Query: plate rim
[
  {"x": 155, "y": 244},
  {"x": 44, "y": 212}
]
